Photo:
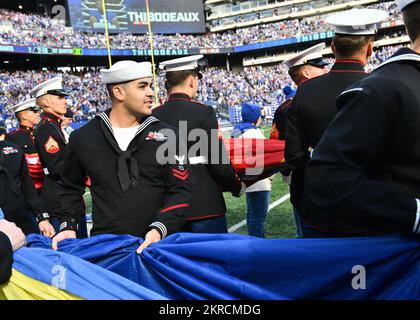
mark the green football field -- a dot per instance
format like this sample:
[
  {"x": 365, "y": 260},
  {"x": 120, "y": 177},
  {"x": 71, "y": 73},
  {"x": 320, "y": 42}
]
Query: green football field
[{"x": 280, "y": 222}]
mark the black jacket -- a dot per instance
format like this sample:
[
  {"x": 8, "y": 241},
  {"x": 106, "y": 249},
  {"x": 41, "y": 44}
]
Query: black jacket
[
  {"x": 131, "y": 191},
  {"x": 18, "y": 196},
  {"x": 6, "y": 258},
  {"x": 364, "y": 176},
  {"x": 208, "y": 198},
  {"x": 312, "y": 110},
  {"x": 278, "y": 129},
  {"x": 51, "y": 145},
  {"x": 24, "y": 138}
]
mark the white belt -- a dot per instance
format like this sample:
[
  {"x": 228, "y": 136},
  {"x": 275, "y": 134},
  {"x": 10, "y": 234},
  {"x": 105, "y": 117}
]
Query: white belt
[
  {"x": 197, "y": 160},
  {"x": 46, "y": 171}
]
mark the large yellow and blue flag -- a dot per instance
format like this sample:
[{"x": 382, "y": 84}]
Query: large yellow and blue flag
[{"x": 217, "y": 267}]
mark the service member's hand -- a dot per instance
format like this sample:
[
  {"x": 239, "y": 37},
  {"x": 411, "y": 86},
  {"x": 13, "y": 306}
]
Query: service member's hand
[
  {"x": 151, "y": 237},
  {"x": 67, "y": 234},
  {"x": 46, "y": 228},
  {"x": 14, "y": 233}
]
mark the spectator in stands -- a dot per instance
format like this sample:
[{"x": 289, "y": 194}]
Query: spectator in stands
[
  {"x": 35, "y": 30},
  {"x": 256, "y": 84}
]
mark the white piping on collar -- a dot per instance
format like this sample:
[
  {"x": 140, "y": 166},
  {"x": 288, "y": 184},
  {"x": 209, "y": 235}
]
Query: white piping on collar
[
  {"x": 402, "y": 57},
  {"x": 148, "y": 121}
]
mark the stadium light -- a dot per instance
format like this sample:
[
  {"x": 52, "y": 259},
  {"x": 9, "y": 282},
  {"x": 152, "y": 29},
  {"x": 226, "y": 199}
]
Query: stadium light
[
  {"x": 20, "y": 7},
  {"x": 6, "y": 62}
]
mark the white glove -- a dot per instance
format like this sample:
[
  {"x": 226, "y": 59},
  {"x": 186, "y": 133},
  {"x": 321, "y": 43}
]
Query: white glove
[
  {"x": 287, "y": 179},
  {"x": 243, "y": 188}
]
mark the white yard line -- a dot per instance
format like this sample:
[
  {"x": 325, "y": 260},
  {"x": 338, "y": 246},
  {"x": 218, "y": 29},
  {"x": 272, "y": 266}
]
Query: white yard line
[{"x": 271, "y": 206}]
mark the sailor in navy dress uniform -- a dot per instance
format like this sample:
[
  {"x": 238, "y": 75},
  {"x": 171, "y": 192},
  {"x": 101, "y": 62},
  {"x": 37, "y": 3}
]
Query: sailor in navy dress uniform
[
  {"x": 364, "y": 176},
  {"x": 51, "y": 142},
  {"x": 135, "y": 189},
  {"x": 208, "y": 207},
  {"x": 28, "y": 114},
  {"x": 314, "y": 103}
]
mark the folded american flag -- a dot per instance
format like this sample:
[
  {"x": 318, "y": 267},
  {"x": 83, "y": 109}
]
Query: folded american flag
[{"x": 256, "y": 159}]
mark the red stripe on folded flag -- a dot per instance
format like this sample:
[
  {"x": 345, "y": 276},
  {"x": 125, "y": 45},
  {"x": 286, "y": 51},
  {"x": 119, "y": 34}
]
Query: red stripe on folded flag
[
  {"x": 247, "y": 153},
  {"x": 264, "y": 157}
]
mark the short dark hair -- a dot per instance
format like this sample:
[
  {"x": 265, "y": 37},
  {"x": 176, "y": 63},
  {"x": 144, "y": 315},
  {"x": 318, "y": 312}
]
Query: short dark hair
[
  {"x": 18, "y": 116},
  {"x": 411, "y": 16},
  {"x": 349, "y": 45},
  {"x": 296, "y": 73},
  {"x": 175, "y": 78},
  {"x": 110, "y": 87}
]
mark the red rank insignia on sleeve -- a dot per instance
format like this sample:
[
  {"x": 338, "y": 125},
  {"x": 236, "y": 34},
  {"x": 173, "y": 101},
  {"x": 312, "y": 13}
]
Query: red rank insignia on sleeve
[
  {"x": 181, "y": 174},
  {"x": 51, "y": 146}
]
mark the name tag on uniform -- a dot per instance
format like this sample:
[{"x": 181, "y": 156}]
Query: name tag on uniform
[
  {"x": 10, "y": 150},
  {"x": 156, "y": 136}
]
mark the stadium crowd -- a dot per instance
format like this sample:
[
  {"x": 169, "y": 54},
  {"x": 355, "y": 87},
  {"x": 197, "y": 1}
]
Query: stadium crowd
[
  {"x": 257, "y": 84},
  {"x": 32, "y": 30}
]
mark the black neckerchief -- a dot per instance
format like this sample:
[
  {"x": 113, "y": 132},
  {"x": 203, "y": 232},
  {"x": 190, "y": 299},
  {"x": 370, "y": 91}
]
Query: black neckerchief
[{"x": 127, "y": 166}]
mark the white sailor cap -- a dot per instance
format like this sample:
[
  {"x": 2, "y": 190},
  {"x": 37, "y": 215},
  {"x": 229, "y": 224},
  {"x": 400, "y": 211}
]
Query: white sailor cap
[
  {"x": 402, "y": 4},
  {"x": 52, "y": 86},
  {"x": 311, "y": 56},
  {"x": 181, "y": 64},
  {"x": 125, "y": 71},
  {"x": 25, "y": 105},
  {"x": 358, "y": 22}
]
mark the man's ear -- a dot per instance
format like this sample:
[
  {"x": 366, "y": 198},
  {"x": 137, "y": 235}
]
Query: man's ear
[
  {"x": 369, "y": 50},
  {"x": 306, "y": 73},
  {"x": 118, "y": 92},
  {"x": 46, "y": 102},
  {"x": 191, "y": 81},
  {"x": 333, "y": 47}
]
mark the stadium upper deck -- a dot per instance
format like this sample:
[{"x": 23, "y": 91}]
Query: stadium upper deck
[{"x": 23, "y": 29}]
